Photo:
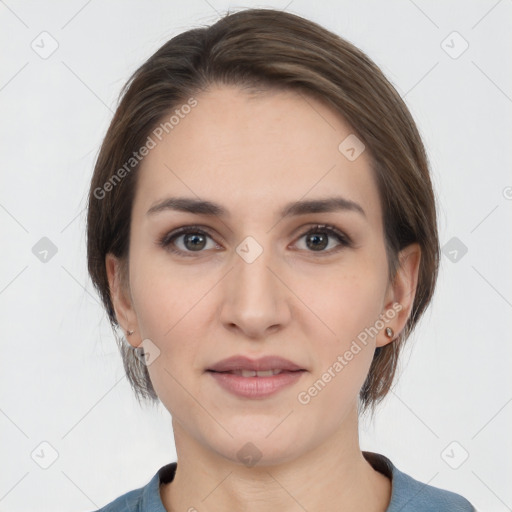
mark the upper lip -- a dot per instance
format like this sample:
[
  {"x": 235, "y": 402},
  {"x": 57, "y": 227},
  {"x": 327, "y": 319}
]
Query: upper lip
[{"x": 261, "y": 364}]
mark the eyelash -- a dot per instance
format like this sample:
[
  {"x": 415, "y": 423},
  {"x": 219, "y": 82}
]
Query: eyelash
[{"x": 167, "y": 240}]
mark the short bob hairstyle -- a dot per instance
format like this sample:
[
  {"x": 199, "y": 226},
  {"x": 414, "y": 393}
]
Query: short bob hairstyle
[{"x": 258, "y": 50}]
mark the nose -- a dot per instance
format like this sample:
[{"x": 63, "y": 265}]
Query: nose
[{"x": 255, "y": 300}]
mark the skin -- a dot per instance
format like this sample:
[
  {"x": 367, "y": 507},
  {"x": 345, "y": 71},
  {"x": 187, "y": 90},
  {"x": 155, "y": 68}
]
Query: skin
[{"x": 253, "y": 154}]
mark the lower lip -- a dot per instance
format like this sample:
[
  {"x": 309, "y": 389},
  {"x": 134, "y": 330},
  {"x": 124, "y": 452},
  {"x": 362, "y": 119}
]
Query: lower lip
[{"x": 256, "y": 387}]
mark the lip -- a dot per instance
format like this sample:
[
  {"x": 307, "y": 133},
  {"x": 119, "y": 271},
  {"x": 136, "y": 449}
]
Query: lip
[
  {"x": 256, "y": 387},
  {"x": 261, "y": 364}
]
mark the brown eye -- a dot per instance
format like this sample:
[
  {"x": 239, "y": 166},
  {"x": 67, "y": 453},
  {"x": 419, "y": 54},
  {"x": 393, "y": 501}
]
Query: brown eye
[
  {"x": 320, "y": 236},
  {"x": 317, "y": 241},
  {"x": 187, "y": 240},
  {"x": 194, "y": 241}
]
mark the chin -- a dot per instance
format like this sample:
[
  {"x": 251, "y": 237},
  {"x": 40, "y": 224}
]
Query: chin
[{"x": 267, "y": 443}]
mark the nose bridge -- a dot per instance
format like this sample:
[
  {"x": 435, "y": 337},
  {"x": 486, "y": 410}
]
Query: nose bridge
[
  {"x": 255, "y": 299},
  {"x": 252, "y": 276}
]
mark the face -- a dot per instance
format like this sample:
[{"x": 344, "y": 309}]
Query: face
[{"x": 249, "y": 281}]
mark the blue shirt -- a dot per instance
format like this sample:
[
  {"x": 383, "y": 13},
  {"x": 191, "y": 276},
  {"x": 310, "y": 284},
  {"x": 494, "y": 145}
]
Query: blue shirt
[{"x": 407, "y": 494}]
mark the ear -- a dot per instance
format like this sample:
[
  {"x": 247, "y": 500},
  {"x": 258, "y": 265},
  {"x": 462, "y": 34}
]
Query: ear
[
  {"x": 121, "y": 298},
  {"x": 401, "y": 293}
]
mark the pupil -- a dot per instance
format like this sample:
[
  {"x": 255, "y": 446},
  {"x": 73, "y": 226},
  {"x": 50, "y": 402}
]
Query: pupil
[
  {"x": 323, "y": 241},
  {"x": 197, "y": 241}
]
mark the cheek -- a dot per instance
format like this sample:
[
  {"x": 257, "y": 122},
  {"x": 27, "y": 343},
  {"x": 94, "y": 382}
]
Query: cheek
[
  {"x": 173, "y": 328},
  {"x": 171, "y": 308},
  {"x": 344, "y": 302},
  {"x": 332, "y": 395},
  {"x": 164, "y": 295},
  {"x": 344, "y": 340},
  {"x": 343, "y": 352}
]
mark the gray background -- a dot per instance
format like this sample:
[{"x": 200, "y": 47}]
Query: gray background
[{"x": 62, "y": 382}]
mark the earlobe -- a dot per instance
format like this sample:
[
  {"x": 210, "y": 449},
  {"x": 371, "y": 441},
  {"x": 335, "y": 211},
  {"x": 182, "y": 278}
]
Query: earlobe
[
  {"x": 120, "y": 296},
  {"x": 401, "y": 294}
]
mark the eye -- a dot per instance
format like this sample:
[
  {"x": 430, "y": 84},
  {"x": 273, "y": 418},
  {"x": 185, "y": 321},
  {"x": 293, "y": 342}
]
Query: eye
[
  {"x": 319, "y": 237},
  {"x": 188, "y": 240},
  {"x": 193, "y": 240}
]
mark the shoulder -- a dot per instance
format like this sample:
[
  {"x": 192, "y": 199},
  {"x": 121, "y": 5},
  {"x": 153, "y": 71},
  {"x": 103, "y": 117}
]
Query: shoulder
[
  {"x": 411, "y": 495},
  {"x": 143, "y": 499},
  {"x": 129, "y": 502}
]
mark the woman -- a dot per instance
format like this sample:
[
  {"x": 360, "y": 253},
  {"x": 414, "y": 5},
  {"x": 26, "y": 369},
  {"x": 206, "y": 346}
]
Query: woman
[{"x": 262, "y": 225}]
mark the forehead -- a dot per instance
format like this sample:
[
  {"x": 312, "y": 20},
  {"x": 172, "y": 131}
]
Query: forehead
[{"x": 253, "y": 152}]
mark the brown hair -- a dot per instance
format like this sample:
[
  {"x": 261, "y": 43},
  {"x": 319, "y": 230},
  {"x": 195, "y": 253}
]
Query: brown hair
[{"x": 264, "y": 49}]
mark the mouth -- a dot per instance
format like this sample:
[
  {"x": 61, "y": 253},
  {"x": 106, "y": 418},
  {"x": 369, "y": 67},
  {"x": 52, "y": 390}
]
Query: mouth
[
  {"x": 256, "y": 384},
  {"x": 255, "y": 378},
  {"x": 247, "y": 367},
  {"x": 260, "y": 373}
]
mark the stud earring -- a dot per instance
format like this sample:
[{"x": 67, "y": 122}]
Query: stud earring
[
  {"x": 130, "y": 333},
  {"x": 389, "y": 332}
]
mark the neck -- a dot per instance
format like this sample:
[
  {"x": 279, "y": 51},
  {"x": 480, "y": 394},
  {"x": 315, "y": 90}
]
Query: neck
[{"x": 331, "y": 477}]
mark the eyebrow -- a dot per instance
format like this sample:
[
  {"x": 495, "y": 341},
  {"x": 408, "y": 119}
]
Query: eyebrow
[{"x": 204, "y": 207}]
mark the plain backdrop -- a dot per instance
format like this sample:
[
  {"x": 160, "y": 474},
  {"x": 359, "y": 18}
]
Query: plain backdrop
[{"x": 73, "y": 436}]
